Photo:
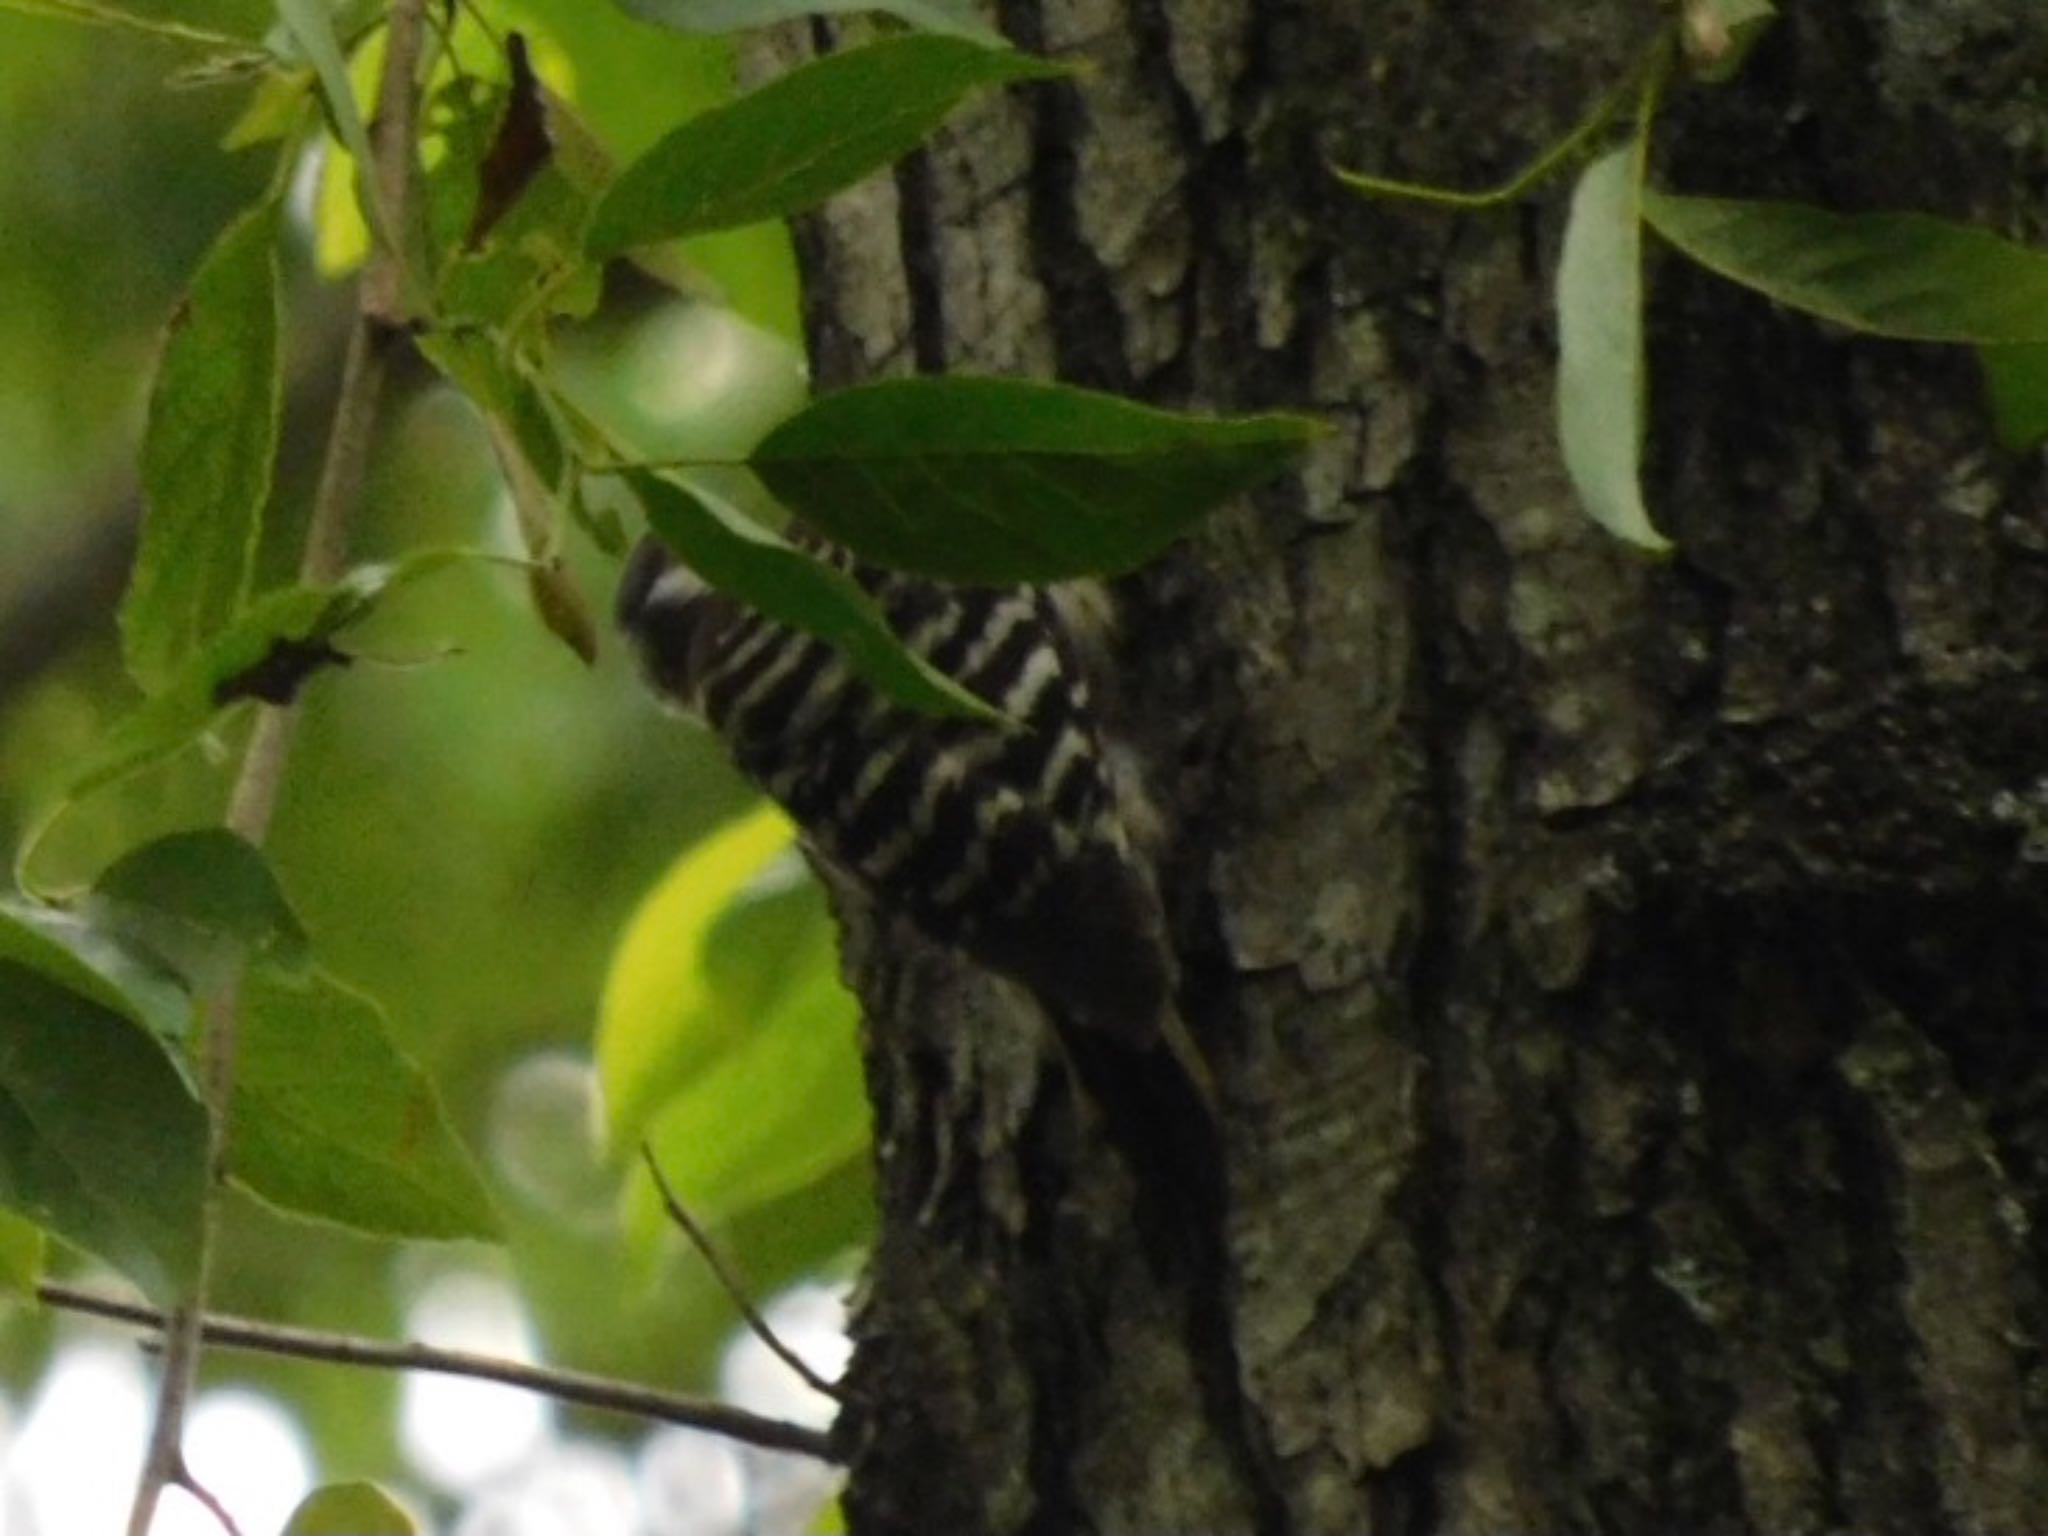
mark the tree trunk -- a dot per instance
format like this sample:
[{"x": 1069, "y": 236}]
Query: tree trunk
[{"x": 1626, "y": 978}]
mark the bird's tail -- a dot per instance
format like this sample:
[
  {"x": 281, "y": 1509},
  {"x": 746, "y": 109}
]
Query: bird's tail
[{"x": 1157, "y": 1106}]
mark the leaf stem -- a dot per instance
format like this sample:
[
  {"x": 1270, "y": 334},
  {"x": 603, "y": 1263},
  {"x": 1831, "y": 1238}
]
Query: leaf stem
[
  {"x": 1656, "y": 74},
  {"x": 1650, "y": 66},
  {"x": 373, "y": 1354},
  {"x": 255, "y": 794}
]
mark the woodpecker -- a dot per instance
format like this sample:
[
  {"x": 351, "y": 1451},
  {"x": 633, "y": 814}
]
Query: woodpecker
[
  {"x": 1019, "y": 842},
  {"x": 1011, "y": 841}
]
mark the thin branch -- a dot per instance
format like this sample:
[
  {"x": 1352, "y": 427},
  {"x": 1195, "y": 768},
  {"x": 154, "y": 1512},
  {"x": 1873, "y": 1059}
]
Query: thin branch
[
  {"x": 120, "y": 20},
  {"x": 182, "y": 1477},
  {"x": 564, "y": 1386},
  {"x": 1547, "y": 160},
  {"x": 163, "y": 1463},
  {"x": 256, "y": 788},
  {"x": 729, "y": 1283}
]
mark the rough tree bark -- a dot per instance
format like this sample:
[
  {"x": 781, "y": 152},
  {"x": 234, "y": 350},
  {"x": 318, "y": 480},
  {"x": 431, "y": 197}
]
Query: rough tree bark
[{"x": 1626, "y": 979}]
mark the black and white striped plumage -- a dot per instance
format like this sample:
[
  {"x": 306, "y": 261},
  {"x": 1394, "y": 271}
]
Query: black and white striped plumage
[{"x": 1012, "y": 843}]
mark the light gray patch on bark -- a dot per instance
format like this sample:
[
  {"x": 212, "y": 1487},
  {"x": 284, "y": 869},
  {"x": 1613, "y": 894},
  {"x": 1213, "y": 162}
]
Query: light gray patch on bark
[
  {"x": 994, "y": 301},
  {"x": 1577, "y": 598},
  {"x": 875, "y": 298},
  {"x": 1208, "y": 54},
  {"x": 1965, "y": 57},
  {"x": 1967, "y": 1283},
  {"x": 1332, "y": 665},
  {"x": 1128, "y": 199},
  {"x": 1151, "y": 1449},
  {"x": 1355, "y": 368}
]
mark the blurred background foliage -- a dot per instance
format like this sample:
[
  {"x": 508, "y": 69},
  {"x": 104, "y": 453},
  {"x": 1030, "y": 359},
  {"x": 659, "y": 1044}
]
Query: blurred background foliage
[{"x": 472, "y": 818}]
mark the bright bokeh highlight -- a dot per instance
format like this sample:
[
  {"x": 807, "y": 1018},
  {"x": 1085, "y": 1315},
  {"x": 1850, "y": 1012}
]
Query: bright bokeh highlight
[
  {"x": 72, "y": 1469},
  {"x": 461, "y": 1434}
]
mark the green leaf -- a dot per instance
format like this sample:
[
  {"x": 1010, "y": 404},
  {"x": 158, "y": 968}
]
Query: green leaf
[
  {"x": 101, "y": 1141},
  {"x": 22, "y": 1247},
  {"x": 507, "y": 202},
  {"x": 794, "y": 142},
  {"x": 97, "y": 965},
  {"x": 1002, "y": 480},
  {"x": 662, "y": 1017},
  {"x": 461, "y": 115},
  {"x": 275, "y": 628},
  {"x": 564, "y": 612},
  {"x": 957, "y": 17},
  {"x": 206, "y": 456},
  {"x": 349, "y": 1509},
  {"x": 536, "y": 469},
  {"x": 530, "y": 455},
  {"x": 2017, "y": 378},
  {"x": 311, "y": 25},
  {"x": 767, "y": 573},
  {"x": 519, "y": 424},
  {"x": 1908, "y": 275},
  {"x": 518, "y": 147},
  {"x": 269, "y": 651},
  {"x": 331, "y": 1120},
  {"x": 1601, "y": 379},
  {"x": 470, "y": 360},
  {"x": 205, "y": 902},
  {"x": 531, "y": 267}
]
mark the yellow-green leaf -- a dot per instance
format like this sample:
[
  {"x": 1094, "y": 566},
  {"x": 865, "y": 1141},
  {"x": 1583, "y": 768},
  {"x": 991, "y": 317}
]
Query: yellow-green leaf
[
  {"x": 311, "y": 25},
  {"x": 350, "y": 1509},
  {"x": 782, "y": 1105},
  {"x": 22, "y": 1247},
  {"x": 273, "y": 111},
  {"x": 659, "y": 1021}
]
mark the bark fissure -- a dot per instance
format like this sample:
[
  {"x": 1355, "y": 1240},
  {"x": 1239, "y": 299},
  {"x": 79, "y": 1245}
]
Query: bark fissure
[
  {"x": 1878, "y": 1404},
  {"x": 917, "y": 236},
  {"x": 1440, "y": 708},
  {"x": 1081, "y": 310}
]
